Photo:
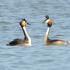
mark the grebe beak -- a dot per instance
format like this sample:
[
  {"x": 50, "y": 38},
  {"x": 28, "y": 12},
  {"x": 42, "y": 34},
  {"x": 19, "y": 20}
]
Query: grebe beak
[
  {"x": 28, "y": 23},
  {"x": 44, "y": 21},
  {"x": 46, "y": 18}
]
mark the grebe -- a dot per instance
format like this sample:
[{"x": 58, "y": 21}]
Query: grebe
[
  {"x": 27, "y": 40},
  {"x": 46, "y": 38}
]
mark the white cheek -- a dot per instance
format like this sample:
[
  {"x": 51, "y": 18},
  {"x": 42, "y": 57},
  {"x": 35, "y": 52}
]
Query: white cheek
[{"x": 47, "y": 21}]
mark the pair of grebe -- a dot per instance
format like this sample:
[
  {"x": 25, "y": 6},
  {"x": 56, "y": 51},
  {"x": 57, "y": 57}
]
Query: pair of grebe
[{"x": 27, "y": 40}]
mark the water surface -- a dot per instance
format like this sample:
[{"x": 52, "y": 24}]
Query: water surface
[{"x": 36, "y": 57}]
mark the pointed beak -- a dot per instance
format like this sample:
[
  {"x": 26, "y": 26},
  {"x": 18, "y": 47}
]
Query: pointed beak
[
  {"x": 28, "y": 23},
  {"x": 44, "y": 21}
]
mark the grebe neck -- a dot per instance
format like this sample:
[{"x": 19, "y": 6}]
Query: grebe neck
[
  {"x": 26, "y": 36},
  {"x": 25, "y": 33},
  {"x": 46, "y": 38}
]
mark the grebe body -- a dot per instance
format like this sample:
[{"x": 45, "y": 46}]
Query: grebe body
[
  {"x": 46, "y": 38},
  {"x": 26, "y": 41},
  {"x": 55, "y": 42}
]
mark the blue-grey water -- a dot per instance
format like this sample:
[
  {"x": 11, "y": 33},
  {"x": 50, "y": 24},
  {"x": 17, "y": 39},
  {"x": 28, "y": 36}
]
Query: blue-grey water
[{"x": 38, "y": 56}]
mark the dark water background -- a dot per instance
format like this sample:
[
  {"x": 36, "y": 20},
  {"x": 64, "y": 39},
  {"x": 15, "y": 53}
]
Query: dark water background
[{"x": 36, "y": 57}]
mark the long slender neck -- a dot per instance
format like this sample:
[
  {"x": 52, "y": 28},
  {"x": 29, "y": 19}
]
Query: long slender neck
[
  {"x": 46, "y": 35},
  {"x": 25, "y": 33},
  {"x": 26, "y": 36}
]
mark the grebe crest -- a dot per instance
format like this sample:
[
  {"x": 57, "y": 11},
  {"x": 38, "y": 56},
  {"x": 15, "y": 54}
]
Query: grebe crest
[
  {"x": 47, "y": 17},
  {"x": 27, "y": 40}
]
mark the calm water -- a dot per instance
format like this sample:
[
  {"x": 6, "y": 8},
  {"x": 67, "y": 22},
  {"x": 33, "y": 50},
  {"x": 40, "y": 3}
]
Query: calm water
[{"x": 36, "y": 57}]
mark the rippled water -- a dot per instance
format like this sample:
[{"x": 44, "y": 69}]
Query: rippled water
[{"x": 36, "y": 57}]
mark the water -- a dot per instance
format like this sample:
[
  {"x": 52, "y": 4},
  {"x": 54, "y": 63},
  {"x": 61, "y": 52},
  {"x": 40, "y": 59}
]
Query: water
[{"x": 36, "y": 57}]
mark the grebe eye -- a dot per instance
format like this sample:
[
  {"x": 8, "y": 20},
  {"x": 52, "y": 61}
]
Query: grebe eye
[{"x": 47, "y": 17}]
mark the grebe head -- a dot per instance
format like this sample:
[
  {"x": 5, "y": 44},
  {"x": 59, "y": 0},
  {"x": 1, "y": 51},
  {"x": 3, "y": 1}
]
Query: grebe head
[
  {"x": 47, "y": 17},
  {"x": 23, "y": 23},
  {"x": 48, "y": 21}
]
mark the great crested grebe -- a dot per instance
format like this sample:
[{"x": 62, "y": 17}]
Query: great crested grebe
[
  {"x": 27, "y": 40},
  {"x": 46, "y": 38}
]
